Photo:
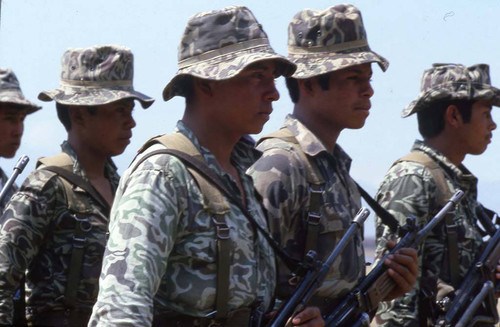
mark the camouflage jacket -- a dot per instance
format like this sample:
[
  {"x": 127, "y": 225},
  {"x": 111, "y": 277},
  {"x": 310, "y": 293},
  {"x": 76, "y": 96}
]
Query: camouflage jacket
[
  {"x": 161, "y": 254},
  {"x": 13, "y": 189},
  {"x": 408, "y": 188},
  {"x": 280, "y": 178},
  {"x": 37, "y": 235}
]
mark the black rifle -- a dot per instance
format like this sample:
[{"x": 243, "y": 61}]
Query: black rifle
[
  {"x": 315, "y": 273},
  {"x": 21, "y": 163},
  {"x": 363, "y": 300},
  {"x": 474, "y": 301}
]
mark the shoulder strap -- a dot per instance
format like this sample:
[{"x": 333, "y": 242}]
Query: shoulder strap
[
  {"x": 62, "y": 166},
  {"x": 316, "y": 188},
  {"x": 443, "y": 194},
  {"x": 215, "y": 194}
]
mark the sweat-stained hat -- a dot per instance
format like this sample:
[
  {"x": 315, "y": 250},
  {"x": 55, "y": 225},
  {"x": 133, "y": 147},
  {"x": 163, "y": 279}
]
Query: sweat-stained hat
[
  {"x": 219, "y": 44},
  {"x": 10, "y": 92},
  {"x": 96, "y": 76},
  {"x": 321, "y": 42},
  {"x": 454, "y": 82}
]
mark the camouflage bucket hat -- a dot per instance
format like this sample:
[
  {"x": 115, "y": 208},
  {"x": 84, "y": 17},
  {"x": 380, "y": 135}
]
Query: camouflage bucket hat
[
  {"x": 10, "y": 92},
  {"x": 219, "y": 44},
  {"x": 96, "y": 76},
  {"x": 321, "y": 42},
  {"x": 454, "y": 82}
]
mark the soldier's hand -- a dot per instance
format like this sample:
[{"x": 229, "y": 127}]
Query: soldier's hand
[
  {"x": 309, "y": 317},
  {"x": 403, "y": 269}
]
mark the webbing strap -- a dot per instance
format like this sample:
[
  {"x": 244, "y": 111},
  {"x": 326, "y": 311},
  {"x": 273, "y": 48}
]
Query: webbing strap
[
  {"x": 205, "y": 171},
  {"x": 223, "y": 249},
  {"x": 443, "y": 193}
]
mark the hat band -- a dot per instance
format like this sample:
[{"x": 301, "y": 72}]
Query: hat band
[
  {"x": 292, "y": 49},
  {"x": 245, "y": 45},
  {"x": 95, "y": 84}
]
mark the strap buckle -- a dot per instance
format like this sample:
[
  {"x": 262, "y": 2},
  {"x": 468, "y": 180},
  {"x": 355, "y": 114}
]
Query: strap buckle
[
  {"x": 79, "y": 242},
  {"x": 222, "y": 229},
  {"x": 84, "y": 223},
  {"x": 313, "y": 218}
]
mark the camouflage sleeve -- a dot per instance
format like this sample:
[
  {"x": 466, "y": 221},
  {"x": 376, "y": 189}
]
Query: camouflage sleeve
[
  {"x": 405, "y": 191},
  {"x": 280, "y": 179},
  {"x": 24, "y": 223},
  {"x": 144, "y": 222}
]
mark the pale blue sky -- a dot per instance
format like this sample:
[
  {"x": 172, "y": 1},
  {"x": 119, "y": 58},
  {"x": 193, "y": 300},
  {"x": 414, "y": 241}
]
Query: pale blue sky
[{"x": 410, "y": 34}]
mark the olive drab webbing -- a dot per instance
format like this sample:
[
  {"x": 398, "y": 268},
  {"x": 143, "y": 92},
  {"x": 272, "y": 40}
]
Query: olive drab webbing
[
  {"x": 214, "y": 203},
  {"x": 79, "y": 209},
  {"x": 316, "y": 188},
  {"x": 443, "y": 193}
]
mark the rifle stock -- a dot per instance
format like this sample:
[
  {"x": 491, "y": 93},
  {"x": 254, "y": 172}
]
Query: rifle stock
[
  {"x": 315, "y": 275},
  {"x": 352, "y": 311},
  {"x": 21, "y": 163},
  {"x": 475, "y": 291}
]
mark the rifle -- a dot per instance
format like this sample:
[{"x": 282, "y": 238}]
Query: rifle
[
  {"x": 364, "y": 299},
  {"x": 315, "y": 274},
  {"x": 477, "y": 291},
  {"x": 21, "y": 163}
]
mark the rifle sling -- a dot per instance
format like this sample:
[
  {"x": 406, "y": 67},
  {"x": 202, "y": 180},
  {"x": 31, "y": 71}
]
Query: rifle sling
[
  {"x": 387, "y": 218},
  {"x": 205, "y": 171}
]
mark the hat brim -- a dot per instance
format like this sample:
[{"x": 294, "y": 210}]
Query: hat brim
[
  {"x": 314, "y": 64},
  {"x": 82, "y": 96},
  {"x": 225, "y": 67},
  {"x": 18, "y": 100},
  {"x": 482, "y": 92}
]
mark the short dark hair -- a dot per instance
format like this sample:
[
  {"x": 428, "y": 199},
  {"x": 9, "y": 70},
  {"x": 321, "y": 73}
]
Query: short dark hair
[
  {"x": 293, "y": 85},
  {"x": 63, "y": 114},
  {"x": 431, "y": 118}
]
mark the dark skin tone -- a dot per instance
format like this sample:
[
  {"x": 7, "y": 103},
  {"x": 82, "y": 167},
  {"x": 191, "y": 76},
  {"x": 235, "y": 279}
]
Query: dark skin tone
[
  {"x": 220, "y": 112},
  {"x": 346, "y": 104},
  {"x": 97, "y": 137},
  {"x": 459, "y": 138}
]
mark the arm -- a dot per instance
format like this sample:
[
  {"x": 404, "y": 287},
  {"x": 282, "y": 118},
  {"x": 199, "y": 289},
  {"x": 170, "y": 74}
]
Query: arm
[
  {"x": 24, "y": 224},
  {"x": 144, "y": 222}
]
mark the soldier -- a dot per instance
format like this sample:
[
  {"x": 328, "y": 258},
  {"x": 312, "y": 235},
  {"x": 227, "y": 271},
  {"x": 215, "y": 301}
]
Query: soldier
[
  {"x": 55, "y": 225},
  {"x": 180, "y": 252},
  {"x": 454, "y": 119},
  {"x": 13, "y": 109},
  {"x": 303, "y": 174}
]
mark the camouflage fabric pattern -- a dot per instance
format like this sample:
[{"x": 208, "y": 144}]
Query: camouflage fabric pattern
[
  {"x": 408, "y": 188},
  {"x": 454, "y": 82},
  {"x": 160, "y": 256},
  {"x": 37, "y": 234},
  {"x": 13, "y": 189},
  {"x": 322, "y": 41},
  {"x": 219, "y": 44},
  {"x": 10, "y": 91},
  {"x": 280, "y": 178},
  {"x": 95, "y": 76}
]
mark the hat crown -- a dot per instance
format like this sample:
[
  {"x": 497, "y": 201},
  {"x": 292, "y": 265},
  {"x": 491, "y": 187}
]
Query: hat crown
[
  {"x": 97, "y": 64},
  {"x": 455, "y": 77},
  {"x": 8, "y": 81},
  {"x": 217, "y": 29},
  {"x": 337, "y": 25}
]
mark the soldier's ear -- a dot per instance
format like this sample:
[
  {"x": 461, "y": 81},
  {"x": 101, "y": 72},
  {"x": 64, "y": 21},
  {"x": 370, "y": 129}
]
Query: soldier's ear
[
  {"x": 306, "y": 85},
  {"x": 453, "y": 117},
  {"x": 76, "y": 116},
  {"x": 203, "y": 86}
]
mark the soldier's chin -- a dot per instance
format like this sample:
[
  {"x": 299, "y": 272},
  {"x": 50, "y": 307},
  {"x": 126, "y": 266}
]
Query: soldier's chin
[{"x": 8, "y": 153}]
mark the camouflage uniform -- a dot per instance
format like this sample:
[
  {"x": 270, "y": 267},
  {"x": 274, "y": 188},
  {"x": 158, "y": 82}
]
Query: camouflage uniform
[
  {"x": 162, "y": 244},
  {"x": 161, "y": 256},
  {"x": 410, "y": 188},
  {"x": 37, "y": 234},
  {"x": 280, "y": 178}
]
